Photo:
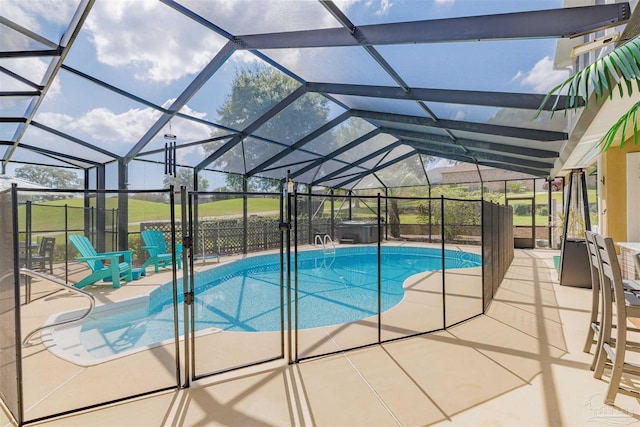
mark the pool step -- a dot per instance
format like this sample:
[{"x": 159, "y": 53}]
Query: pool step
[{"x": 347, "y": 239}]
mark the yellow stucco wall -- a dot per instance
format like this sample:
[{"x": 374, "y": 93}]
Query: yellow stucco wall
[{"x": 613, "y": 193}]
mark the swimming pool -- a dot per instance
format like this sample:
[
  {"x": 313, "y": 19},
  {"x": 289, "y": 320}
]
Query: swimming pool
[{"x": 334, "y": 287}]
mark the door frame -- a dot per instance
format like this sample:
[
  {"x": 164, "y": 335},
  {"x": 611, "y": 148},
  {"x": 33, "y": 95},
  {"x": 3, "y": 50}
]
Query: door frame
[{"x": 525, "y": 242}]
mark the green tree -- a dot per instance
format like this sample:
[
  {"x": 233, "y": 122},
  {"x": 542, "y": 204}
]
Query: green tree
[
  {"x": 253, "y": 92},
  {"x": 184, "y": 177},
  {"x": 48, "y": 176},
  {"x": 254, "y": 184}
]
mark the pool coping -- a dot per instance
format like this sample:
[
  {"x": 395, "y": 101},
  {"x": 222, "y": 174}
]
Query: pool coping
[{"x": 58, "y": 339}]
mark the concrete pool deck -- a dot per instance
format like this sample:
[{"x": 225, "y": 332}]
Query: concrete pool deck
[{"x": 520, "y": 364}]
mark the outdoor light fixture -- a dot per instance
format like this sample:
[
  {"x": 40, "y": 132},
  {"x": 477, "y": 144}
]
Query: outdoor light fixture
[{"x": 594, "y": 44}]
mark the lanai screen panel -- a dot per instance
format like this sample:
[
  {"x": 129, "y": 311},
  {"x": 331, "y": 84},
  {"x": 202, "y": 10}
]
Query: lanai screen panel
[
  {"x": 186, "y": 132},
  {"x": 366, "y": 13},
  {"x": 399, "y": 106},
  {"x": 338, "y": 65},
  {"x": 339, "y": 136},
  {"x": 14, "y": 41},
  {"x": 503, "y": 66},
  {"x": 406, "y": 173},
  {"x": 372, "y": 145},
  {"x": 10, "y": 375},
  {"x": 48, "y": 20},
  {"x": 300, "y": 118},
  {"x": 23, "y": 155},
  {"x": 95, "y": 115},
  {"x": 43, "y": 139},
  {"x": 256, "y": 151},
  {"x": 14, "y": 106},
  {"x": 516, "y": 117},
  {"x": 259, "y": 17},
  {"x": 31, "y": 68},
  {"x": 132, "y": 65},
  {"x": 7, "y": 131},
  {"x": 154, "y": 59}
]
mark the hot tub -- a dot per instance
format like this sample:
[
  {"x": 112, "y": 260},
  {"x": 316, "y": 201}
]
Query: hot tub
[{"x": 354, "y": 231}]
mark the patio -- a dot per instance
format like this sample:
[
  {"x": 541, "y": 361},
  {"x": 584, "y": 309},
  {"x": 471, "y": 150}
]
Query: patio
[
  {"x": 236, "y": 127},
  {"x": 520, "y": 364}
]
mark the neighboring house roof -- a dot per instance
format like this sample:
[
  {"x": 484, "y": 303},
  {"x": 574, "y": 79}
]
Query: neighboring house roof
[
  {"x": 6, "y": 181},
  {"x": 468, "y": 172}
]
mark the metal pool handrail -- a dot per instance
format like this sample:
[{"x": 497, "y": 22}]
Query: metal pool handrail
[
  {"x": 92, "y": 302},
  {"x": 326, "y": 239}
]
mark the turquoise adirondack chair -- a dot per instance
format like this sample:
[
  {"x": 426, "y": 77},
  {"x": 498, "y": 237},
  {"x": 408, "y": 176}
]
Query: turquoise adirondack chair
[
  {"x": 159, "y": 252},
  {"x": 114, "y": 272}
]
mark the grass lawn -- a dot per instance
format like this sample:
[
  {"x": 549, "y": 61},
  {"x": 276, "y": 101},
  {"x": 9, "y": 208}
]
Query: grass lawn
[
  {"x": 526, "y": 220},
  {"x": 50, "y": 216}
]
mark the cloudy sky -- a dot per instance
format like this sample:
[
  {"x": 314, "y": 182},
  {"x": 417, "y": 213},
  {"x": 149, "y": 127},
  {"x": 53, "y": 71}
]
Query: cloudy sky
[{"x": 157, "y": 58}]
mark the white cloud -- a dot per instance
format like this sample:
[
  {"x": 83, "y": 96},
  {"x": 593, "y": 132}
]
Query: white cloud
[
  {"x": 30, "y": 13},
  {"x": 187, "y": 131},
  {"x": 444, "y": 2},
  {"x": 542, "y": 77},
  {"x": 126, "y": 128},
  {"x": 517, "y": 76},
  {"x": 54, "y": 120},
  {"x": 162, "y": 49},
  {"x": 103, "y": 125},
  {"x": 385, "y": 6},
  {"x": 460, "y": 115}
]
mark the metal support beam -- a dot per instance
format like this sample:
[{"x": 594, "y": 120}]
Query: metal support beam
[
  {"x": 113, "y": 88},
  {"x": 26, "y": 32},
  {"x": 550, "y": 23},
  {"x": 355, "y": 33},
  {"x": 364, "y": 159},
  {"x": 377, "y": 168},
  {"x": 74, "y": 139},
  {"x": 87, "y": 202},
  {"x": 253, "y": 127},
  {"x": 100, "y": 208},
  {"x": 31, "y": 53},
  {"x": 245, "y": 214},
  {"x": 225, "y": 52},
  {"x": 300, "y": 143},
  {"x": 454, "y": 149},
  {"x": 356, "y": 142},
  {"x": 187, "y": 145},
  {"x": 66, "y": 158},
  {"x": 505, "y": 166},
  {"x": 67, "y": 41},
  {"x": 22, "y": 79},
  {"x": 466, "y": 97},
  {"x": 288, "y": 165},
  {"x": 123, "y": 205},
  {"x": 19, "y": 93},
  {"x": 471, "y": 143},
  {"x": 509, "y": 131}
]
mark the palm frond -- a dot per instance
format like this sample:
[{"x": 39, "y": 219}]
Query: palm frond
[
  {"x": 619, "y": 68},
  {"x": 630, "y": 117}
]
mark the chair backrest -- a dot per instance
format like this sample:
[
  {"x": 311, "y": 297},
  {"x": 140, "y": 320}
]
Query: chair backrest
[
  {"x": 593, "y": 260},
  {"x": 636, "y": 258},
  {"x": 155, "y": 240},
  {"x": 610, "y": 270},
  {"x": 46, "y": 247},
  {"x": 86, "y": 249}
]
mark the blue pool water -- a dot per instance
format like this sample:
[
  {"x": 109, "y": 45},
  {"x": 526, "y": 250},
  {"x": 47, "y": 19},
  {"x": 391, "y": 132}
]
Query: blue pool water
[{"x": 334, "y": 287}]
